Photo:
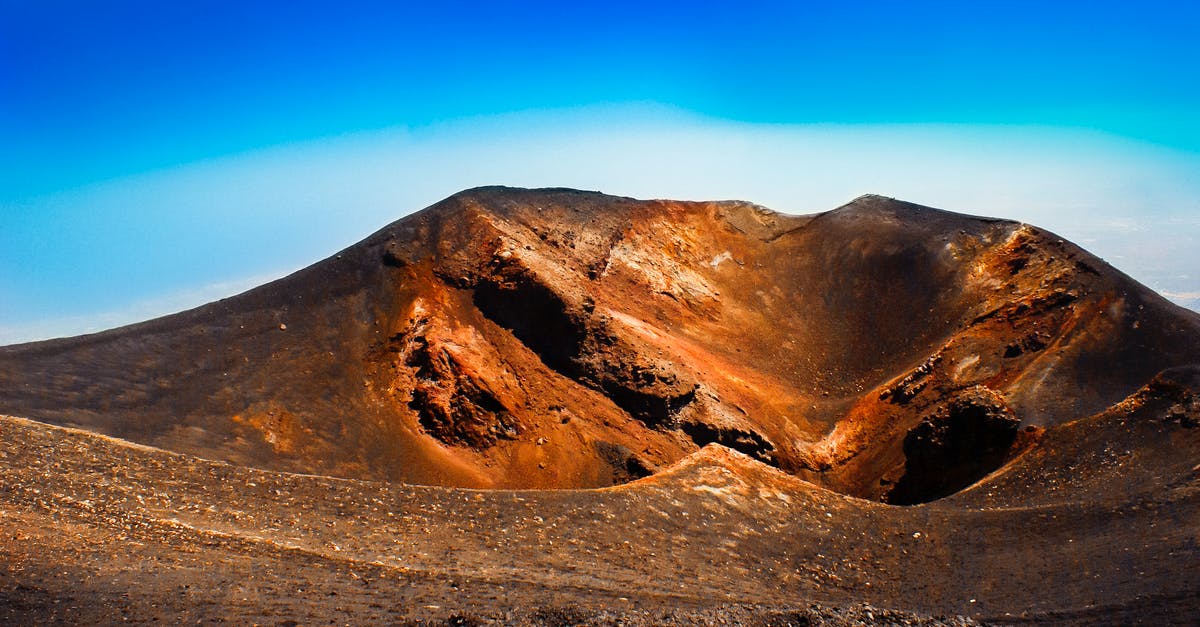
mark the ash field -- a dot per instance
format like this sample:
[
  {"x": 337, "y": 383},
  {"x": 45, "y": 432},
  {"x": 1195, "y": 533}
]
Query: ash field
[{"x": 556, "y": 407}]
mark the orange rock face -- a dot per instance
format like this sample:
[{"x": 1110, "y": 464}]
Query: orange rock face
[
  {"x": 754, "y": 413},
  {"x": 565, "y": 339}
]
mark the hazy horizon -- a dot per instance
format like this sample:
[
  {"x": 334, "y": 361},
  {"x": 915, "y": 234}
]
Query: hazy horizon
[{"x": 159, "y": 157}]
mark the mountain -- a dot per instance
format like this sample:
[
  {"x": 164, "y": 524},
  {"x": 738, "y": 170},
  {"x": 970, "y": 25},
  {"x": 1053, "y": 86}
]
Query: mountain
[
  {"x": 509, "y": 338},
  {"x": 758, "y": 418}
]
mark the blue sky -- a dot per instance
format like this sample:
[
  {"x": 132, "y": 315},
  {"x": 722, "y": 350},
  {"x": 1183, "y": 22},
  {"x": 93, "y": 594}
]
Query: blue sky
[{"x": 154, "y": 155}]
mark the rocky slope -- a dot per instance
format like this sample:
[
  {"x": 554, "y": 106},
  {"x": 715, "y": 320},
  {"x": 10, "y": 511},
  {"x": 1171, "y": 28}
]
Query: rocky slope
[
  {"x": 1097, "y": 523},
  {"x": 885, "y": 404},
  {"x": 556, "y": 338}
]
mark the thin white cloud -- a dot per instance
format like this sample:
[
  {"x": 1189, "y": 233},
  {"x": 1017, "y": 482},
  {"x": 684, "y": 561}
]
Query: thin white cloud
[{"x": 1132, "y": 203}]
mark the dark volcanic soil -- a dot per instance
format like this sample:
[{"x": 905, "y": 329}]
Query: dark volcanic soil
[{"x": 625, "y": 412}]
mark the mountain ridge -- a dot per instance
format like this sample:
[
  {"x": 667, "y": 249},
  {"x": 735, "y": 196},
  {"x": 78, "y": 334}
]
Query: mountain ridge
[
  {"x": 546, "y": 407},
  {"x": 560, "y": 338}
]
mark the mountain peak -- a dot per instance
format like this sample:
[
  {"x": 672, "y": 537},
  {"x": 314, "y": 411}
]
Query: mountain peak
[
  {"x": 565, "y": 338},
  {"x": 638, "y": 391}
]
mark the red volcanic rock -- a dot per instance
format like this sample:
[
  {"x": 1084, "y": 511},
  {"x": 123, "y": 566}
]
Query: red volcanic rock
[
  {"x": 626, "y": 334},
  {"x": 752, "y": 394},
  {"x": 963, "y": 440}
]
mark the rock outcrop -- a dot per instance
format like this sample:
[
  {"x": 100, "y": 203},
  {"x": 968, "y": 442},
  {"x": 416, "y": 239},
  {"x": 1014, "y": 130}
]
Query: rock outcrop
[{"x": 566, "y": 339}]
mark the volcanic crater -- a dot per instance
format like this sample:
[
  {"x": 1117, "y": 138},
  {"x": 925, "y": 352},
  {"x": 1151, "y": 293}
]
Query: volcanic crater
[{"x": 819, "y": 385}]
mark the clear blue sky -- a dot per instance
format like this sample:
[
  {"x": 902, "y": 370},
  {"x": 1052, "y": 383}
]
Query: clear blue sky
[{"x": 94, "y": 95}]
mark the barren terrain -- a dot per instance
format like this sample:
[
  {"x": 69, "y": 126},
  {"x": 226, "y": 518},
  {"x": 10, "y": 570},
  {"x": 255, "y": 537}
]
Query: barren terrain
[{"x": 560, "y": 407}]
